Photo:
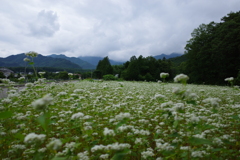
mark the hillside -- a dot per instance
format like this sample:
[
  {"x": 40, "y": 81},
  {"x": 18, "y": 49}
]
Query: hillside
[
  {"x": 83, "y": 64},
  {"x": 40, "y": 61}
]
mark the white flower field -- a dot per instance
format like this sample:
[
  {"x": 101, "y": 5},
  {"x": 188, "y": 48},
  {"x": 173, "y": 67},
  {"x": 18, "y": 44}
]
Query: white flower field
[{"x": 120, "y": 120}]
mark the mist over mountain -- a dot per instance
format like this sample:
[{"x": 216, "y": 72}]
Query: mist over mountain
[
  {"x": 62, "y": 61},
  {"x": 172, "y": 55},
  {"x": 39, "y": 61},
  {"x": 94, "y": 60},
  {"x": 83, "y": 64}
]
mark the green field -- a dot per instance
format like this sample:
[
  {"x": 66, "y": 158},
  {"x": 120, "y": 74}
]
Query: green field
[{"x": 120, "y": 120}]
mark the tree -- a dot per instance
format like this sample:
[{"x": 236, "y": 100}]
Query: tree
[
  {"x": 104, "y": 67},
  {"x": 213, "y": 52}
]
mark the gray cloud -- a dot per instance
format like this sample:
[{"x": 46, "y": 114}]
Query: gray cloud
[
  {"x": 46, "y": 24},
  {"x": 115, "y": 28}
]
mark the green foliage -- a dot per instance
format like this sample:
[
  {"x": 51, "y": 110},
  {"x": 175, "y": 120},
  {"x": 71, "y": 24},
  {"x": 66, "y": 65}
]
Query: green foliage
[
  {"x": 141, "y": 69},
  {"x": 63, "y": 75},
  {"x": 213, "y": 52},
  {"x": 109, "y": 77},
  {"x": 2, "y": 75},
  {"x": 104, "y": 67}
]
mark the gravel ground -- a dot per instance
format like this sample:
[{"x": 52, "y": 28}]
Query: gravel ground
[{"x": 3, "y": 91}]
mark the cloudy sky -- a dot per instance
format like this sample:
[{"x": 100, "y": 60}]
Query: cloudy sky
[{"x": 118, "y": 29}]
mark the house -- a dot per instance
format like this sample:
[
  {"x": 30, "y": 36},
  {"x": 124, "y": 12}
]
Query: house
[{"x": 6, "y": 72}]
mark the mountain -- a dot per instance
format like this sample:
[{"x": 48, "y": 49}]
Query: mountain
[
  {"x": 94, "y": 60},
  {"x": 172, "y": 55},
  {"x": 39, "y": 61},
  {"x": 178, "y": 60},
  {"x": 83, "y": 64}
]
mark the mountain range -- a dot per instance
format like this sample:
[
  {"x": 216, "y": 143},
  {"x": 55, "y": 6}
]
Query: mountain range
[{"x": 62, "y": 61}]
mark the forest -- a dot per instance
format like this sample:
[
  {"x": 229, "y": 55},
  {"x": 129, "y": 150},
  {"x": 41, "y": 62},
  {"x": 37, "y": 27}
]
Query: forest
[{"x": 211, "y": 55}]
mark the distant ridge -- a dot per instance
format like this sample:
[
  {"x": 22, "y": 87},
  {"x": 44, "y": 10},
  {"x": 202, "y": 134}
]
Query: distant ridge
[
  {"x": 172, "y": 55},
  {"x": 94, "y": 60},
  {"x": 83, "y": 64},
  {"x": 40, "y": 61}
]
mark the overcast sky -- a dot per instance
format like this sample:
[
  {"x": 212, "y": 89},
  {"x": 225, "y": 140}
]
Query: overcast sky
[{"x": 118, "y": 29}]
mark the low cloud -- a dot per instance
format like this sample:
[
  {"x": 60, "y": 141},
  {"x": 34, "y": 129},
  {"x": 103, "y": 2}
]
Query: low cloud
[{"x": 45, "y": 25}]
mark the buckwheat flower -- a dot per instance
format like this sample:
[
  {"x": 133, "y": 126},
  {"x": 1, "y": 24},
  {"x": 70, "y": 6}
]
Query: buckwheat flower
[
  {"x": 229, "y": 79},
  {"x": 70, "y": 146},
  {"x": 97, "y": 147},
  {"x": 122, "y": 116},
  {"x": 160, "y": 96},
  {"x": 31, "y": 54},
  {"x": 181, "y": 78},
  {"x": 18, "y": 146},
  {"x": 70, "y": 74},
  {"x": 6, "y": 101},
  {"x": 42, "y": 150},
  {"x": 78, "y": 91},
  {"x": 54, "y": 144},
  {"x": 138, "y": 141},
  {"x": 214, "y": 102},
  {"x": 21, "y": 78},
  {"x": 29, "y": 85},
  {"x": 194, "y": 119},
  {"x": 199, "y": 154},
  {"x": 164, "y": 75},
  {"x": 32, "y": 137},
  {"x": 61, "y": 94},
  {"x": 42, "y": 103},
  {"x": 104, "y": 156},
  {"x": 217, "y": 141},
  {"x": 83, "y": 155},
  {"x": 78, "y": 115},
  {"x": 26, "y": 60},
  {"x": 148, "y": 153},
  {"x": 108, "y": 132}
]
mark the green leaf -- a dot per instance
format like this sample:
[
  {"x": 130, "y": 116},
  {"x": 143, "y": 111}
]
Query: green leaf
[
  {"x": 6, "y": 114},
  {"x": 19, "y": 136},
  {"x": 175, "y": 123},
  {"x": 44, "y": 120},
  {"x": 199, "y": 141},
  {"x": 236, "y": 117},
  {"x": 31, "y": 63}
]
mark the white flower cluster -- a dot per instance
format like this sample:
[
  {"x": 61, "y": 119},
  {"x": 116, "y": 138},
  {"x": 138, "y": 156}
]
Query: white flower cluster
[
  {"x": 42, "y": 103},
  {"x": 164, "y": 75},
  {"x": 21, "y": 78},
  {"x": 29, "y": 85},
  {"x": 148, "y": 153},
  {"x": 108, "y": 132},
  {"x": 41, "y": 73},
  {"x": 78, "y": 115},
  {"x": 114, "y": 146},
  {"x": 181, "y": 78},
  {"x": 31, "y": 54},
  {"x": 229, "y": 79},
  {"x": 26, "y": 60},
  {"x": 214, "y": 102},
  {"x": 122, "y": 116},
  {"x": 104, "y": 156},
  {"x": 83, "y": 155},
  {"x": 32, "y": 137},
  {"x": 199, "y": 154},
  {"x": 55, "y": 144}
]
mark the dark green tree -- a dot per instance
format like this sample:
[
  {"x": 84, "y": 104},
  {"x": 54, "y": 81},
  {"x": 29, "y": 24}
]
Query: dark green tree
[
  {"x": 104, "y": 67},
  {"x": 213, "y": 52}
]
